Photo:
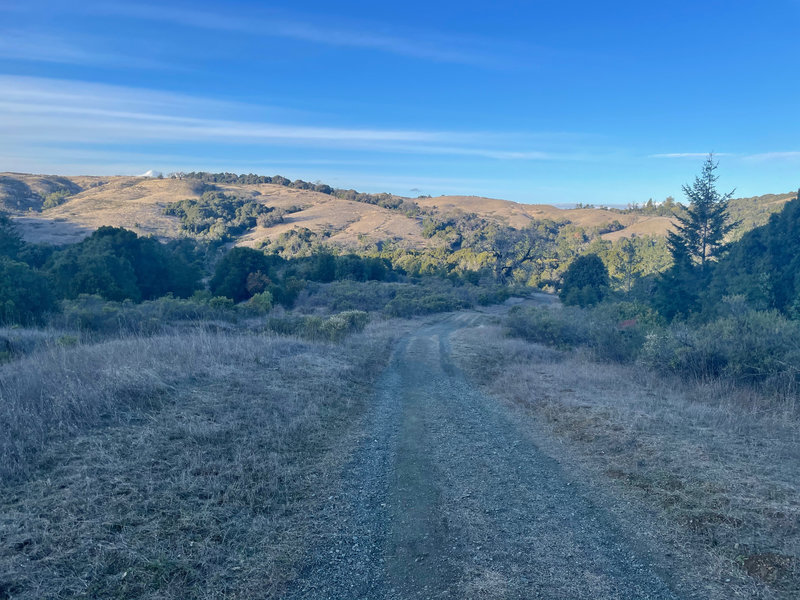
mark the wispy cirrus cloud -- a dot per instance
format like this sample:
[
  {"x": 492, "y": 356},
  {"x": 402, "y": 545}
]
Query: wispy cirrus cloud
[
  {"x": 40, "y": 111},
  {"x": 774, "y": 156},
  {"x": 419, "y": 43},
  {"x": 755, "y": 157},
  {"x": 43, "y": 47},
  {"x": 687, "y": 155}
]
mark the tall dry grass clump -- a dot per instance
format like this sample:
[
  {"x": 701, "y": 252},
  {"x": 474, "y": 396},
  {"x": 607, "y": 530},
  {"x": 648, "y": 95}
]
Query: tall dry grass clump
[
  {"x": 66, "y": 390},
  {"x": 176, "y": 466}
]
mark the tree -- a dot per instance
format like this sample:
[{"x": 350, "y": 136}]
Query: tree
[
  {"x": 242, "y": 273},
  {"x": 625, "y": 263},
  {"x": 701, "y": 231},
  {"x": 24, "y": 293},
  {"x": 764, "y": 265},
  {"x": 677, "y": 290},
  {"x": 585, "y": 281},
  {"x": 511, "y": 248},
  {"x": 10, "y": 240},
  {"x": 117, "y": 264}
]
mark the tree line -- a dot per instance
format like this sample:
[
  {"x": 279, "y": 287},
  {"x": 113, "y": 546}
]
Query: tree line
[{"x": 706, "y": 267}]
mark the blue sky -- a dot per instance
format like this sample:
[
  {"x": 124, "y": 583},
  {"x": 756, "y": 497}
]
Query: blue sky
[{"x": 539, "y": 101}]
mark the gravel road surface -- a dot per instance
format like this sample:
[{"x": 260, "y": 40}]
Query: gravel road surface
[{"x": 447, "y": 497}]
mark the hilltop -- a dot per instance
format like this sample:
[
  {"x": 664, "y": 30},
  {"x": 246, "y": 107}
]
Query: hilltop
[{"x": 60, "y": 210}]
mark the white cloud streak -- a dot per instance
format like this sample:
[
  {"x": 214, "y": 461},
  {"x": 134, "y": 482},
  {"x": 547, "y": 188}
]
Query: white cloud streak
[
  {"x": 38, "y": 47},
  {"x": 687, "y": 155},
  {"x": 43, "y": 111},
  {"x": 774, "y": 156},
  {"x": 416, "y": 44}
]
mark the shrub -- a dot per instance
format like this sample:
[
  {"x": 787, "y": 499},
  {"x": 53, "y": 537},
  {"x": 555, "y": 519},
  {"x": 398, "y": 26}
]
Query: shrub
[
  {"x": 261, "y": 302},
  {"x": 349, "y": 295},
  {"x": 332, "y": 329},
  {"x": 617, "y": 331},
  {"x": 613, "y": 331},
  {"x": 585, "y": 281},
  {"x": 563, "y": 328},
  {"x": 241, "y": 273},
  {"x": 117, "y": 264},
  {"x": 25, "y": 295},
  {"x": 93, "y": 314},
  {"x": 216, "y": 215},
  {"x": 749, "y": 347}
]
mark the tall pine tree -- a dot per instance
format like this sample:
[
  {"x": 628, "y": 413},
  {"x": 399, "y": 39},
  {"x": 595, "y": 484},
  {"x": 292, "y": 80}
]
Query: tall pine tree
[
  {"x": 701, "y": 232},
  {"x": 698, "y": 240}
]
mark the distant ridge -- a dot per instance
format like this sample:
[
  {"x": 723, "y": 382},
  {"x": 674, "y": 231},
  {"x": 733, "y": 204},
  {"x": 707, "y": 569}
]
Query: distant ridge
[{"x": 57, "y": 209}]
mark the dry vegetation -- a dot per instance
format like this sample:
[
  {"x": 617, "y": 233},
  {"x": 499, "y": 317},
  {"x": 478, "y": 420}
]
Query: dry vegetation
[
  {"x": 716, "y": 463},
  {"x": 172, "y": 466},
  {"x": 137, "y": 203}
]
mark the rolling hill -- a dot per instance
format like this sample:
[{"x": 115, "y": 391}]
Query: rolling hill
[{"x": 59, "y": 210}]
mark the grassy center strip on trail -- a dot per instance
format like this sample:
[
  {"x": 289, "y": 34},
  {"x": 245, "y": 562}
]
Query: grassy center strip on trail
[
  {"x": 203, "y": 490},
  {"x": 447, "y": 497}
]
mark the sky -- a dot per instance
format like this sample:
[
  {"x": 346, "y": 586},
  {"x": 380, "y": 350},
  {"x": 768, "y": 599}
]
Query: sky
[{"x": 537, "y": 101}]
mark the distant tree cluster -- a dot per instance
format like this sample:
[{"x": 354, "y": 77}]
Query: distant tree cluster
[
  {"x": 667, "y": 208},
  {"x": 112, "y": 263},
  {"x": 219, "y": 216},
  {"x": 244, "y": 273},
  {"x": 384, "y": 200}
]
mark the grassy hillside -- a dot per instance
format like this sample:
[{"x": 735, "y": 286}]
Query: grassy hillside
[{"x": 61, "y": 210}]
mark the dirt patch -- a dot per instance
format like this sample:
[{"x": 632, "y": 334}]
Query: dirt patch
[{"x": 774, "y": 569}]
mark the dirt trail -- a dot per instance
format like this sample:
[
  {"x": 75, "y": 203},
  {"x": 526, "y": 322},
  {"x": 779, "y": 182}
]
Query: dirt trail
[{"x": 446, "y": 497}]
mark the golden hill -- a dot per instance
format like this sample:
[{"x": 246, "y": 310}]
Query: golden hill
[{"x": 138, "y": 203}]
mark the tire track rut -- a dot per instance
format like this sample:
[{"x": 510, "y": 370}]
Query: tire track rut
[{"x": 445, "y": 497}]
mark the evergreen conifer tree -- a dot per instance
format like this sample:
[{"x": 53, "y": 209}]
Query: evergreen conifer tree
[{"x": 701, "y": 232}]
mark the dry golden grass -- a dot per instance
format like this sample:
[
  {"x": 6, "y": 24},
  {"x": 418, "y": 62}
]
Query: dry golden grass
[
  {"x": 137, "y": 203},
  {"x": 717, "y": 464},
  {"x": 658, "y": 226},
  {"x": 179, "y": 466},
  {"x": 521, "y": 215}
]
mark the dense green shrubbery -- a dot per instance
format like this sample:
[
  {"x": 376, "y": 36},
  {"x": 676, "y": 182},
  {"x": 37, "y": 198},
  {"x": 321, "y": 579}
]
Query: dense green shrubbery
[
  {"x": 411, "y": 302},
  {"x": 244, "y": 273},
  {"x": 25, "y": 295},
  {"x": 56, "y": 198},
  {"x": 564, "y": 328},
  {"x": 585, "y": 282},
  {"x": 436, "y": 295},
  {"x": 399, "y": 299},
  {"x": 748, "y": 346},
  {"x": 336, "y": 296},
  {"x": 332, "y": 328},
  {"x": 95, "y": 315},
  {"x": 216, "y": 215},
  {"x": 745, "y": 345},
  {"x": 117, "y": 264},
  {"x": 613, "y": 331}
]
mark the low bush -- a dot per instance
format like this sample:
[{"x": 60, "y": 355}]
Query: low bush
[
  {"x": 564, "y": 328},
  {"x": 97, "y": 317},
  {"x": 614, "y": 332},
  {"x": 337, "y": 296},
  {"x": 398, "y": 299},
  {"x": 761, "y": 347},
  {"x": 331, "y": 329},
  {"x": 746, "y": 346}
]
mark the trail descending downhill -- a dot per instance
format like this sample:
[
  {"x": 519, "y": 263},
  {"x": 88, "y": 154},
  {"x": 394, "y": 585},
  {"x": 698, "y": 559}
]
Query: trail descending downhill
[{"x": 446, "y": 497}]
